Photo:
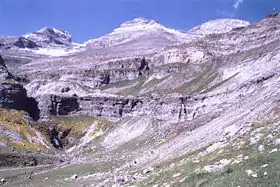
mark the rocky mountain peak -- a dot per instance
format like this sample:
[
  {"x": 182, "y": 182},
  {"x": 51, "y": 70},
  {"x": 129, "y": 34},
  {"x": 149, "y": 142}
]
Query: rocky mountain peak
[
  {"x": 138, "y": 22},
  {"x": 49, "y": 35},
  {"x": 145, "y": 105},
  {"x": 137, "y": 30},
  {"x": 54, "y": 32}
]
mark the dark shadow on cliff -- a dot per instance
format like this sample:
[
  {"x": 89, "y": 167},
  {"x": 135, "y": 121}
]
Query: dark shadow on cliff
[
  {"x": 14, "y": 96},
  {"x": 32, "y": 108}
]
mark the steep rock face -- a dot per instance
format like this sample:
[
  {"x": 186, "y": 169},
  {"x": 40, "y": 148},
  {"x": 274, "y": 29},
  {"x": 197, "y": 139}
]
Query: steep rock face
[
  {"x": 63, "y": 105},
  {"x": 169, "y": 108},
  {"x": 25, "y": 43},
  {"x": 14, "y": 96},
  {"x": 111, "y": 107},
  {"x": 83, "y": 81},
  {"x": 4, "y": 73}
]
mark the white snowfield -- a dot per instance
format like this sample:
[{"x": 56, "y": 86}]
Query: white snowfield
[{"x": 56, "y": 52}]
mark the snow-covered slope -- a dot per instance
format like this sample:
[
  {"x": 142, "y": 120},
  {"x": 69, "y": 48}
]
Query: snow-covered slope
[
  {"x": 46, "y": 41},
  {"x": 218, "y": 26},
  {"x": 140, "y": 29}
]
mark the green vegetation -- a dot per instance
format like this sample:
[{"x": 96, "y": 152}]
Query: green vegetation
[
  {"x": 77, "y": 124},
  {"x": 8, "y": 80},
  {"x": 80, "y": 124},
  {"x": 243, "y": 157},
  {"x": 83, "y": 87},
  {"x": 218, "y": 84},
  {"x": 19, "y": 132},
  {"x": 202, "y": 78},
  {"x": 121, "y": 84}
]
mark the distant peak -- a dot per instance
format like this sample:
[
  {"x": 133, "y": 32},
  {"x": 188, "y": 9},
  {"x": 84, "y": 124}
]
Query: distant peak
[
  {"x": 53, "y": 31},
  {"x": 229, "y": 21},
  {"x": 138, "y": 21},
  {"x": 219, "y": 26},
  {"x": 48, "y": 35}
]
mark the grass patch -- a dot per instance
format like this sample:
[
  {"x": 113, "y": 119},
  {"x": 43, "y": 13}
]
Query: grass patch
[
  {"x": 79, "y": 126},
  {"x": 201, "y": 80},
  {"x": 185, "y": 172},
  {"x": 218, "y": 84},
  {"x": 19, "y": 134}
]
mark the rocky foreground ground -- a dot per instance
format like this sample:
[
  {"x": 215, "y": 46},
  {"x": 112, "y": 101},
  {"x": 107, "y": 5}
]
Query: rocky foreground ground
[{"x": 145, "y": 105}]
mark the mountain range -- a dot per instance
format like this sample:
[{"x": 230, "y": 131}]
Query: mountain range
[{"x": 144, "y": 105}]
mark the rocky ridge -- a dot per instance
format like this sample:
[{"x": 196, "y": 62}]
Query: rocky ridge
[{"x": 157, "y": 101}]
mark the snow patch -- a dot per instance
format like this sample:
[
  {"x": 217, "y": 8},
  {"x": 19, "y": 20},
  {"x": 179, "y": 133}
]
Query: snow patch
[{"x": 55, "y": 52}]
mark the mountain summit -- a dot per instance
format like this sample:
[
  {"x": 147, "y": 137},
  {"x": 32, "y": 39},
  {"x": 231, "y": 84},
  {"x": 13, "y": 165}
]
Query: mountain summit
[
  {"x": 145, "y": 105},
  {"x": 138, "y": 22},
  {"x": 50, "y": 36},
  {"x": 219, "y": 26},
  {"x": 146, "y": 34}
]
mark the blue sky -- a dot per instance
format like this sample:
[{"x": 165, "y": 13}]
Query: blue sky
[{"x": 87, "y": 19}]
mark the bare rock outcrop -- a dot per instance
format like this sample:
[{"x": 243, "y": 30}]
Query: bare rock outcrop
[{"x": 13, "y": 95}]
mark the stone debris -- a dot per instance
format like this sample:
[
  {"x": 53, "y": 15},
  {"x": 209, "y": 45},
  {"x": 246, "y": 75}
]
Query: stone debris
[
  {"x": 164, "y": 92},
  {"x": 125, "y": 178},
  {"x": 264, "y": 166},
  {"x": 2, "y": 180},
  {"x": 251, "y": 173},
  {"x": 196, "y": 161},
  {"x": 75, "y": 176},
  {"x": 217, "y": 166},
  {"x": 277, "y": 142},
  {"x": 261, "y": 148},
  {"x": 238, "y": 159},
  {"x": 176, "y": 175},
  {"x": 148, "y": 170},
  {"x": 273, "y": 150},
  {"x": 214, "y": 147},
  {"x": 270, "y": 137},
  {"x": 256, "y": 138}
]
